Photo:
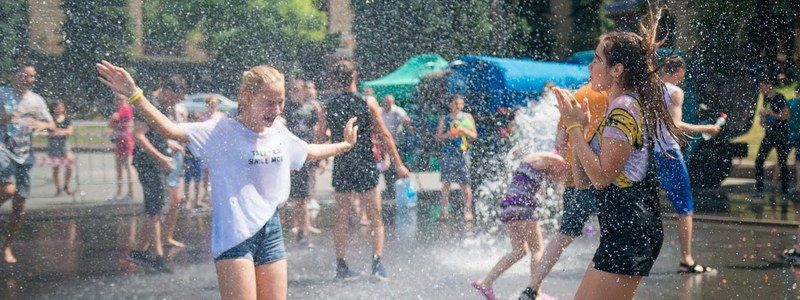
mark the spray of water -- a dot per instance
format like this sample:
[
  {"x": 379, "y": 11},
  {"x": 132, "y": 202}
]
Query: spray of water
[{"x": 534, "y": 131}]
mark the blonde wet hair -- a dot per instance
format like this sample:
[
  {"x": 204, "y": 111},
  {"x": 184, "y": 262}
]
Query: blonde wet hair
[{"x": 259, "y": 77}]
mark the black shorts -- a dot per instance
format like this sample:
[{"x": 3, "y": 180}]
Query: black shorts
[
  {"x": 301, "y": 182},
  {"x": 354, "y": 175},
  {"x": 153, "y": 182},
  {"x": 630, "y": 230}
]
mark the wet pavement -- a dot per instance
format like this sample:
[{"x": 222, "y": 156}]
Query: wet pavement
[
  {"x": 84, "y": 258},
  {"x": 76, "y": 248}
]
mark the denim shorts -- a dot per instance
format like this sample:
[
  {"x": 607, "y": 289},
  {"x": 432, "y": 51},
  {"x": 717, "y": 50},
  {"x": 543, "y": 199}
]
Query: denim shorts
[
  {"x": 19, "y": 174},
  {"x": 578, "y": 206},
  {"x": 266, "y": 246}
]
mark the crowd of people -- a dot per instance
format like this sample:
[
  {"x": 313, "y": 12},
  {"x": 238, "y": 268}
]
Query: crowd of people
[{"x": 619, "y": 139}]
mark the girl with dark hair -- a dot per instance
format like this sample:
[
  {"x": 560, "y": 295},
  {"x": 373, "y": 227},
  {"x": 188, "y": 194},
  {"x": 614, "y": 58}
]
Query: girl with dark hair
[{"x": 618, "y": 161}]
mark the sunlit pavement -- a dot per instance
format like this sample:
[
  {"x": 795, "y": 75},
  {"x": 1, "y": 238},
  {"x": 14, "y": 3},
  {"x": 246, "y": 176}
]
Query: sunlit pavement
[{"x": 84, "y": 259}]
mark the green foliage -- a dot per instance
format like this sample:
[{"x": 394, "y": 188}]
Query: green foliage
[
  {"x": 389, "y": 32},
  {"x": 94, "y": 30},
  {"x": 243, "y": 33},
  {"x": 589, "y": 21},
  {"x": 166, "y": 24},
  {"x": 532, "y": 35},
  {"x": 12, "y": 31}
]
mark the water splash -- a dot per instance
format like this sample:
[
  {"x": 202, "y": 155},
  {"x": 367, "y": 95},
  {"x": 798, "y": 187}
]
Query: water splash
[{"x": 534, "y": 131}]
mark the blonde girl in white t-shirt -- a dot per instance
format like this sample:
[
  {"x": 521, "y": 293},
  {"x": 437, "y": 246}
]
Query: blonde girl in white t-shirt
[{"x": 249, "y": 158}]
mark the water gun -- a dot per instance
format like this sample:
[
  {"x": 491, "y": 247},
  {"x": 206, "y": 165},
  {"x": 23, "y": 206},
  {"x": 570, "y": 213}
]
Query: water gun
[{"x": 462, "y": 122}]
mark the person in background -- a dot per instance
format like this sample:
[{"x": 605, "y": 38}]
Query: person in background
[
  {"x": 302, "y": 117},
  {"x": 793, "y": 254},
  {"x": 774, "y": 118},
  {"x": 519, "y": 214},
  {"x": 58, "y": 149},
  {"x": 579, "y": 195},
  {"x": 670, "y": 166},
  {"x": 398, "y": 123},
  {"x": 23, "y": 112},
  {"x": 153, "y": 163},
  {"x": 122, "y": 137},
  {"x": 455, "y": 131},
  {"x": 355, "y": 173}
]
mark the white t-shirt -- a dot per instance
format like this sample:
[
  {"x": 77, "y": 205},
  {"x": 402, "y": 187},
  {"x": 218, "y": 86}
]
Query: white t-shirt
[
  {"x": 28, "y": 108},
  {"x": 665, "y": 140},
  {"x": 394, "y": 119},
  {"x": 249, "y": 175}
]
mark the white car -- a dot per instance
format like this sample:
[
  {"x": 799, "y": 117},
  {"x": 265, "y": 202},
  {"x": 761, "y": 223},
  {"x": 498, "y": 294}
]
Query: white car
[{"x": 196, "y": 104}]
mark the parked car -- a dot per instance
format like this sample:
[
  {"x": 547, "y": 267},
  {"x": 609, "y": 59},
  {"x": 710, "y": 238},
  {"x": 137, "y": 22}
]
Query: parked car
[{"x": 196, "y": 104}]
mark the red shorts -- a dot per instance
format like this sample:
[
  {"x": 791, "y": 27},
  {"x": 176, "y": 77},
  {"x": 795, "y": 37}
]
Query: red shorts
[{"x": 124, "y": 146}]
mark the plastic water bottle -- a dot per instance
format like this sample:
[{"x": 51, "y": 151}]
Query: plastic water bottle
[
  {"x": 723, "y": 118},
  {"x": 406, "y": 211},
  {"x": 174, "y": 176}
]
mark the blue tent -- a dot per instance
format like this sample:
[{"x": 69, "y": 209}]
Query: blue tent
[{"x": 490, "y": 83}]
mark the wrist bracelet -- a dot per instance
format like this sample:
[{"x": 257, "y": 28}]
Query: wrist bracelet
[
  {"x": 138, "y": 95},
  {"x": 570, "y": 127}
]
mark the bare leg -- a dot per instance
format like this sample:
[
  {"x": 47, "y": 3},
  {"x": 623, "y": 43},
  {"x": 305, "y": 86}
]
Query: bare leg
[
  {"x": 17, "y": 215},
  {"x": 466, "y": 194},
  {"x": 237, "y": 279},
  {"x": 372, "y": 205},
  {"x": 67, "y": 178},
  {"x": 549, "y": 259},
  {"x": 272, "y": 281},
  {"x": 685, "y": 235},
  {"x": 300, "y": 212},
  {"x": 56, "y": 181},
  {"x": 127, "y": 167},
  {"x": 535, "y": 243},
  {"x": 343, "y": 203},
  {"x": 519, "y": 248},
  {"x": 171, "y": 219},
  {"x": 601, "y": 285},
  {"x": 444, "y": 201},
  {"x": 119, "y": 162}
]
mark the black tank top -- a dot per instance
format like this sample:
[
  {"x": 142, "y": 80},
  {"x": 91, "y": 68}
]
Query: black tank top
[
  {"x": 339, "y": 108},
  {"x": 301, "y": 119}
]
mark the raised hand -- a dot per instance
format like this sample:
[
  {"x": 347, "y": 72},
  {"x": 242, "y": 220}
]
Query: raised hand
[
  {"x": 117, "y": 79},
  {"x": 571, "y": 111},
  {"x": 351, "y": 132}
]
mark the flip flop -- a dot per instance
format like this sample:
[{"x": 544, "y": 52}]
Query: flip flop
[
  {"x": 486, "y": 291},
  {"x": 694, "y": 269}
]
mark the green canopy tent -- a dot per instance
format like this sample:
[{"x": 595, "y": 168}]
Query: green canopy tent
[{"x": 402, "y": 82}]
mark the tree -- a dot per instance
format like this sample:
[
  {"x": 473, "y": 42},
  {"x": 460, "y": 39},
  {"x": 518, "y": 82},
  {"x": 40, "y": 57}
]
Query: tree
[
  {"x": 166, "y": 24},
  {"x": 13, "y": 32},
  {"x": 589, "y": 21},
  {"x": 533, "y": 30},
  {"x": 242, "y": 33},
  {"x": 94, "y": 30}
]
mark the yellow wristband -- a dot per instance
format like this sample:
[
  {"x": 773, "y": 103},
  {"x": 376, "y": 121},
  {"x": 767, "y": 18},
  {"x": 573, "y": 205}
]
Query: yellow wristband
[
  {"x": 570, "y": 127},
  {"x": 136, "y": 97}
]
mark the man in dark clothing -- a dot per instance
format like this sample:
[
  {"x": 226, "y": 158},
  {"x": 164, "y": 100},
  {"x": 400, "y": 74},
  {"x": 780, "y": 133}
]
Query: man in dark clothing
[
  {"x": 774, "y": 118},
  {"x": 152, "y": 163},
  {"x": 302, "y": 116},
  {"x": 355, "y": 173}
]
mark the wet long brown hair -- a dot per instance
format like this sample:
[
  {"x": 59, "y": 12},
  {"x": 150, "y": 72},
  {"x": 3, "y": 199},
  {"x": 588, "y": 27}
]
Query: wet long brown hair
[{"x": 637, "y": 53}]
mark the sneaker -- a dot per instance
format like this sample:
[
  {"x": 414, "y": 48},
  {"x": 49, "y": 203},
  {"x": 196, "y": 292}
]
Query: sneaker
[
  {"x": 791, "y": 255},
  {"x": 343, "y": 272},
  {"x": 528, "y": 294},
  {"x": 138, "y": 257},
  {"x": 302, "y": 240},
  {"x": 159, "y": 264},
  {"x": 377, "y": 269}
]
